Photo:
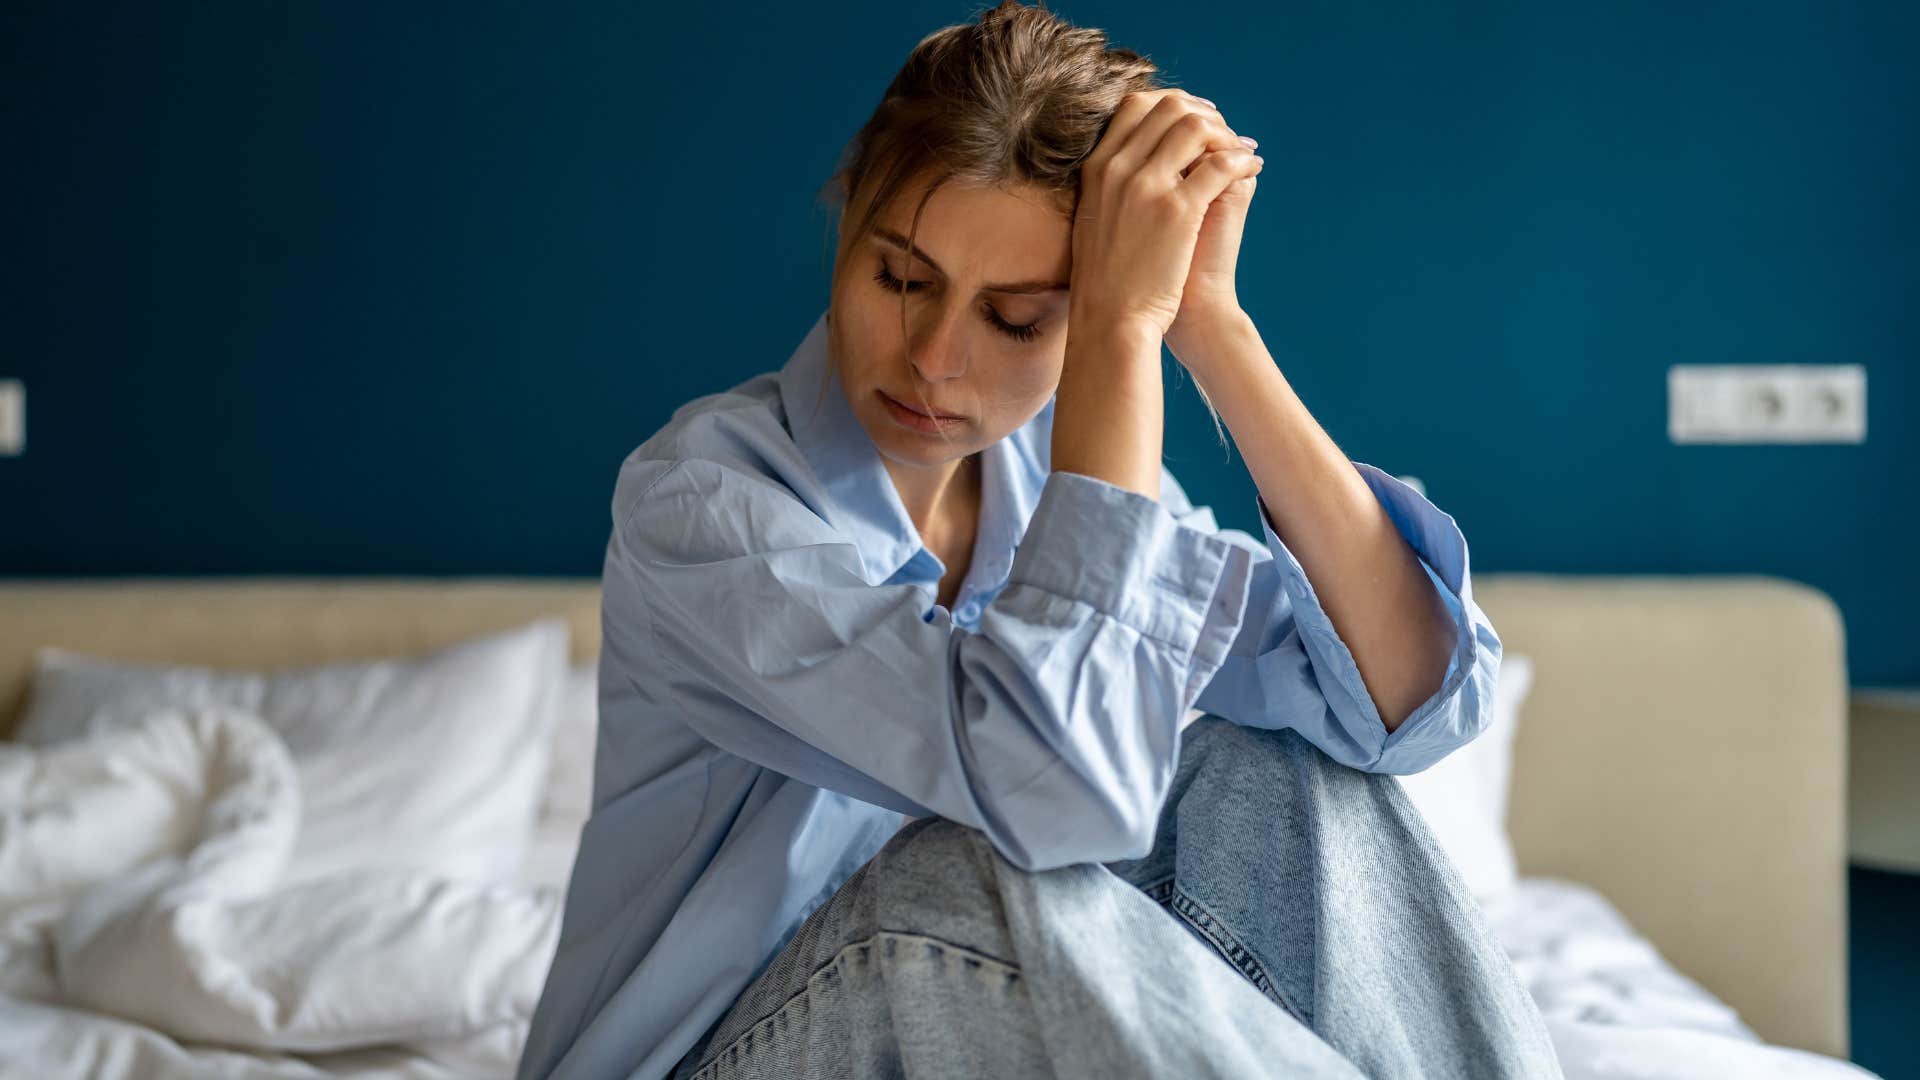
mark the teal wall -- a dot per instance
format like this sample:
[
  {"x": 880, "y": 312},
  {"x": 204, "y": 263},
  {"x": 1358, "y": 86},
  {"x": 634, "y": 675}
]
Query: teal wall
[{"x": 392, "y": 288}]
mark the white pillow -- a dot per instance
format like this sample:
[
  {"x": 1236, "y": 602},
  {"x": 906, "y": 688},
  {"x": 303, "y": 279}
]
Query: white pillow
[
  {"x": 1463, "y": 796},
  {"x": 569, "y": 791},
  {"x": 434, "y": 762},
  {"x": 568, "y": 800}
]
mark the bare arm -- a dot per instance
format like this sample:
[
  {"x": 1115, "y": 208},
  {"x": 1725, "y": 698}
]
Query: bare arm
[
  {"x": 1366, "y": 576},
  {"x": 1109, "y": 415}
]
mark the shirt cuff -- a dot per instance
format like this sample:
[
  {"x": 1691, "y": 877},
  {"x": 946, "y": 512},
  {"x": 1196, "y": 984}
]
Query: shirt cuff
[
  {"x": 1425, "y": 735},
  {"x": 1125, "y": 555}
]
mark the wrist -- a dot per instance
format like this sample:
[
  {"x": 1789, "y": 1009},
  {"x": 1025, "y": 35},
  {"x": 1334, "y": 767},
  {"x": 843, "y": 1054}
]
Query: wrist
[
  {"x": 1111, "y": 353},
  {"x": 1209, "y": 338},
  {"x": 1105, "y": 328}
]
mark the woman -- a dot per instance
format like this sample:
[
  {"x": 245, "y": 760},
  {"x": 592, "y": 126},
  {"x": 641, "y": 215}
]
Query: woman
[{"x": 933, "y": 567}]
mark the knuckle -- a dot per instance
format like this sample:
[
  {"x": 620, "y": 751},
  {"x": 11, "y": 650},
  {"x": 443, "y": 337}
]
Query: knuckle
[{"x": 1135, "y": 188}]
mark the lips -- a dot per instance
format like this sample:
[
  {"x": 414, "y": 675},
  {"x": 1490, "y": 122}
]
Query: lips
[{"x": 910, "y": 408}]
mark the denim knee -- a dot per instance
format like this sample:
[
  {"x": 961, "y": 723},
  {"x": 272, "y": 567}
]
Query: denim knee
[
  {"x": 1215, "y": 734},
  {"x": 1271, "y": 788},
  {"x": 932, "y": 846},
  {"x": 941, "y": 879},
  {"x": 1221, "y": 742}
]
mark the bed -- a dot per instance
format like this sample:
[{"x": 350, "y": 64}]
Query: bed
[{"x": 1676, "y": 812}]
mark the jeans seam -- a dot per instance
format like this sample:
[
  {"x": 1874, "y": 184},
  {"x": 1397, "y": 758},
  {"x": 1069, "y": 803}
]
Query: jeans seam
[
  {"x": 1160, "y": 892},
  {"x": 1243, "y": 960},
  {"x": 972, "y": 957}
]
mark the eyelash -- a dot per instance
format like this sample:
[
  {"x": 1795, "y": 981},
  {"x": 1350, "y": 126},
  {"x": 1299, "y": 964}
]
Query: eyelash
[{"x": 1018, "y": 333}]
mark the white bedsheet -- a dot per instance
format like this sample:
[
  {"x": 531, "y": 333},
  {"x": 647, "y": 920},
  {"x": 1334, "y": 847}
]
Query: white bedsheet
[{"x": 1616, "y": 1009}]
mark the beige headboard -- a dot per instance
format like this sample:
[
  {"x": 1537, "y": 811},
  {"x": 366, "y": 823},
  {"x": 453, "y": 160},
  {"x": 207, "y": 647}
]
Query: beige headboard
[
  {"x": 1683, "y": 750},
  {"x": 266, "y": 622}
]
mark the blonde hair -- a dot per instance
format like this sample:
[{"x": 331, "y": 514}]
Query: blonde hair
[{"x": 1018, "y": 97}]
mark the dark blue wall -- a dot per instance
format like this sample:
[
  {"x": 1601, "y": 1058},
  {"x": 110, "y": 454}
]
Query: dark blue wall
[
  {"x": 1884, "y": 971},
  {"x": 367, "y": 288},
  {"x": 392, "y": 288}
]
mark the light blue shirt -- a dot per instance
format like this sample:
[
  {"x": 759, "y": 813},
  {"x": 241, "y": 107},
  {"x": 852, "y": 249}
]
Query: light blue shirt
[{"x": 778, "y": 686}]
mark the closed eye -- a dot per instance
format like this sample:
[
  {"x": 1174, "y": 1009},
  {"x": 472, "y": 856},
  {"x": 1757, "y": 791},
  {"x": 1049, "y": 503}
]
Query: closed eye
[{"x": 1018, "y": 333}]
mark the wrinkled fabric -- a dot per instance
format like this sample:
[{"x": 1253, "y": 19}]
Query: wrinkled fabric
[
  {"x": 1294, "y": 918},
  {"x": 147, "y": 914},
  {"x": 778, "y": 685}
]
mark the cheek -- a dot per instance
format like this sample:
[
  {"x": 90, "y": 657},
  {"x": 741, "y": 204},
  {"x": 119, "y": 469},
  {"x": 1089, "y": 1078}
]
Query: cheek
[
  {"x": 1042, "y": 370},
  {"x": 857, "y": 335},
  {"x": 1041, "y": 384},
  {"x": 1029, "y": 382},
  {"x": 859, "y": 302}
]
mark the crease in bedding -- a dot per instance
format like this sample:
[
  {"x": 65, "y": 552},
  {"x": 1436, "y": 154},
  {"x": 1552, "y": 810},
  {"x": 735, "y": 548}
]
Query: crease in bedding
[{"x": 142, "y": 887}]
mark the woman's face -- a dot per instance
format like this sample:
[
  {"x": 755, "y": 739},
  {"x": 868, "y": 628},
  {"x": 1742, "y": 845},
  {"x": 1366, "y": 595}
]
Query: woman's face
[{"x": 986, "y": 317}]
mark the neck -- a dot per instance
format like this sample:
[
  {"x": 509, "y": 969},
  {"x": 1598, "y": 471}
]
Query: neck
[{"x": 932, "y": 493}]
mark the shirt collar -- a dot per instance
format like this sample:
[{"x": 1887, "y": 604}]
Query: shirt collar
[{"x": 864, "y": 502}]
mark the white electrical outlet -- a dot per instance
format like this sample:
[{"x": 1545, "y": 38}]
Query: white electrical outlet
[
  {"x": 1767, "y": 403},
  {"x": 13, "y": 417}
]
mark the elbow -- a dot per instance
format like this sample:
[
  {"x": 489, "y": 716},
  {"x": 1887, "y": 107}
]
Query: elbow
[
  {"x": 1090, "y": 846},
  {"x": 1455, "y": 716},
  {"x": 1088, "y": 826}
]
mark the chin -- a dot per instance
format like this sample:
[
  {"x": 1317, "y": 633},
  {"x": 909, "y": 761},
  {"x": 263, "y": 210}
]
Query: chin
[
  {"x": 920, "y": 450},
  {"x": 923, "y": 453}
]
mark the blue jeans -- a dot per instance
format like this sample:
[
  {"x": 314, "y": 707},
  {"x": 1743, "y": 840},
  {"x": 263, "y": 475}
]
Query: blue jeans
[{"x": 1317, "y": 930}]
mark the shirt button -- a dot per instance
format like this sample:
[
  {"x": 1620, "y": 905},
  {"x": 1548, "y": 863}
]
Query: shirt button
[{"x": 970, "y": 610}]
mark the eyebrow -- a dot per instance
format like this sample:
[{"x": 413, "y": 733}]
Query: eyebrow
[{"x": 900, "y": 242}]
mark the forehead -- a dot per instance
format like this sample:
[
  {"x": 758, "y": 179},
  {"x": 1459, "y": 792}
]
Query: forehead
[{"x": 977, "y": 232}]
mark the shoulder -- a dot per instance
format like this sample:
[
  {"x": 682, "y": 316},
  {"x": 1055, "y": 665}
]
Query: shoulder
[{"x": 723, "y": 462}]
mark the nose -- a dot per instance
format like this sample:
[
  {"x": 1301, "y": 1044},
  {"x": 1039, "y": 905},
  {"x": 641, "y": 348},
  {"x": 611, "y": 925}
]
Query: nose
[{"x": 937, "y": 352}]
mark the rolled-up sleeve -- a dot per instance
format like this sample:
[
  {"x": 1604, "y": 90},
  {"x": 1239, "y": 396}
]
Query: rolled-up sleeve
[
  {"x": 1053, "y": 728},
  {"x": 1289, "y": 667}
]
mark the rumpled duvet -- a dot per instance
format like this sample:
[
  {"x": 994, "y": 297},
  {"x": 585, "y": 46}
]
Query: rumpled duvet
[{"x": 145, "y": 929}]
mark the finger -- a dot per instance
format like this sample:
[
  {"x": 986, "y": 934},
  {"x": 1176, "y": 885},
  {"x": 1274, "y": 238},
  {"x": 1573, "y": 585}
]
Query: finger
[
  {"x": 1190, "y": 138},
  {"x": 1216, "y": 170},
  {"x": 1177, "y": 124},
  {"x": 1125, "y": 118}
]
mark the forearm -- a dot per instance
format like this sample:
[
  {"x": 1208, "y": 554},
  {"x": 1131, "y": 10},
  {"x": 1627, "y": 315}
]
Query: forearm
[
  {"x": 1109, "y": 413},
  {"x": 1367, "y": 577}
]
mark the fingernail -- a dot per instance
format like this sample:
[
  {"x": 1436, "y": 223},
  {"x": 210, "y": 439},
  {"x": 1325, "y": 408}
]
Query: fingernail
[
  {"x": 1250, "y": 141},
  {"x": 1258, "y": 160},
  {"x": 1207, "y": 103}
]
